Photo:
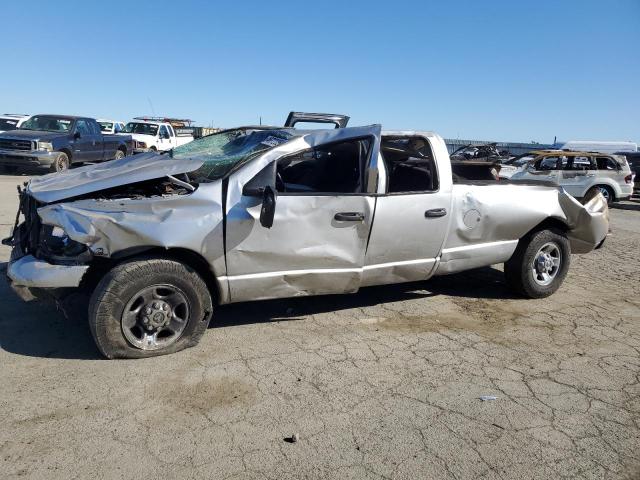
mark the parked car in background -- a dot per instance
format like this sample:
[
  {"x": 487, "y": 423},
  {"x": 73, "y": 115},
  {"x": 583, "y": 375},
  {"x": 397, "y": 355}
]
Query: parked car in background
[
  {"x": 11, "y": 121},
  {"x": 581, "y": 173},
  {"x": 110, "y": 126},
  {"x": 594, "y": 146},
  {"x": 515, "y": 164},
  {"x": 58, "y": 141},
  {"x": 633, "y": 158},
  {"x": 157, "y": 135},
  {"x": 486, "y": 151},
  {"x": 255, "y": 213}
]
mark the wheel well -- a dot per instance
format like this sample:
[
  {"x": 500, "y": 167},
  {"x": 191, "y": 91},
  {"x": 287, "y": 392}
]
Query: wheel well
[
  {"x": 67, "y": 152},
  {"x": 123, "y": 149},
  {"x": 549, "y": 223},
  {"x": 100, "y": 266},
  {"x": 608, "y": 187}
]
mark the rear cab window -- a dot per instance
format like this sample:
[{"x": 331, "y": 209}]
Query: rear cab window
[{"x": 410, "y": 165}]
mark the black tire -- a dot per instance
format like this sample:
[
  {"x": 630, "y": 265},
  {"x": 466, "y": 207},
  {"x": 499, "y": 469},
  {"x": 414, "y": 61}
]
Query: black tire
[
  {"x": 519, "y": 269},
  {"x": 61, "y": 163},
  {"x": 119, "y": 155},
  {"x": 607, "y": 192},
  {"x": 120, "y": 286}
]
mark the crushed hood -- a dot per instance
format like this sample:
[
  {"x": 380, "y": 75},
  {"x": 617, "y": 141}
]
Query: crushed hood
[{"x": 93, "y": 178}]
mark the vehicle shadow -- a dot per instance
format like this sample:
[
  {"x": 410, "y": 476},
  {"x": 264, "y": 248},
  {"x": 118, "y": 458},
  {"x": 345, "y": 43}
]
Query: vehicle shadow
[
  {"x": 487, "y": 283},
  {"x": 39, "y": 329},
  {"x": 630, "y": 205}
]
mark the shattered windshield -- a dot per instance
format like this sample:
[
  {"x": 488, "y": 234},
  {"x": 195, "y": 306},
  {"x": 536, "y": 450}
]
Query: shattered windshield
[{"x": 223, "y": 151}]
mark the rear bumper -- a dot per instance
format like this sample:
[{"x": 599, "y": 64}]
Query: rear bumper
[
  {"x": 626, "y": 191},
  {"x": 33, "y": 158}
]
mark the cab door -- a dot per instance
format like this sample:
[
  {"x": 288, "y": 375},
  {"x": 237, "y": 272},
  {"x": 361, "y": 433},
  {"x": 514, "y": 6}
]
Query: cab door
[
  {"x": 322, "y": 221},
  {"x": 413, "y": 211},
  {"x": 164, "y": 139},
  {"x": 87, "y": 145}
]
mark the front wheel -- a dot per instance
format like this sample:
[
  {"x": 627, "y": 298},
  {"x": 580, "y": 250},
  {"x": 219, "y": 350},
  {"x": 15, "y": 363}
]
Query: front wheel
[
  {"x": 61, "y": 163},
  {"x": 539, "y": 265},
  {"x": 119, "y": 155},
  {"x": 149, "y": 306}
]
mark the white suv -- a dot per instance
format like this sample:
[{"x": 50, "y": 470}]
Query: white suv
[
  {"x": 12, "y": 121},
  {"x": 581, "y": 173}
]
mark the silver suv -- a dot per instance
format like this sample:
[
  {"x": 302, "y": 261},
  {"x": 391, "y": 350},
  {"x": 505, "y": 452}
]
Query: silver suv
[{"x": 581, "y": 174}]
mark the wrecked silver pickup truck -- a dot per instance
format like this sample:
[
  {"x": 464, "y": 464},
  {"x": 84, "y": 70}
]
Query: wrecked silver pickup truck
[{"x": 264, "y": 212}]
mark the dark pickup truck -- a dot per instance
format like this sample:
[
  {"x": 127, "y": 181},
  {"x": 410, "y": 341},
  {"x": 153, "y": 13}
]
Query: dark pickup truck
[{"x": 57, "y": 141}]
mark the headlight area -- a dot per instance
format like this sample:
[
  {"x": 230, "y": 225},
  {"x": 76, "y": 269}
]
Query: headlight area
[
  {"x": 45, "y": 146},
  {"x": 56, "y": 247}
]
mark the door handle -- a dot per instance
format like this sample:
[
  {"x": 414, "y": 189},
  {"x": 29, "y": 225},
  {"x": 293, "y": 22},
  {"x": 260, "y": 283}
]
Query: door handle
[
  {"x": 591, "y": 174},
  {"x": 435, "y": 213},
  {"x": 349, "y": 216}
]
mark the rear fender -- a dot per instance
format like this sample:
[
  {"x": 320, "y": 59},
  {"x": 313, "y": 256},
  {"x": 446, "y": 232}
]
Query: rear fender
[{"x": 588, "y": 224}]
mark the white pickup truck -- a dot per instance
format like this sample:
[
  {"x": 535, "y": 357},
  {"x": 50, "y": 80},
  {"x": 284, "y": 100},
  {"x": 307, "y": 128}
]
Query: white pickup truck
[{"x": 156, "y": 135}]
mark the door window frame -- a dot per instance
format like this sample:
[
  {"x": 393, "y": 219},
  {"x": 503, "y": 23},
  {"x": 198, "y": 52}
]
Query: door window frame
[
  {"x": 362, "y": 173},
  {"x": 386, "y": 169}
]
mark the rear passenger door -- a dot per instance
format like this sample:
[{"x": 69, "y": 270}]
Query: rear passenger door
[
  {"x": 577, "y": 175},
  {"x": 87, "y": 145},
  {"x": 412, "y": 213}
]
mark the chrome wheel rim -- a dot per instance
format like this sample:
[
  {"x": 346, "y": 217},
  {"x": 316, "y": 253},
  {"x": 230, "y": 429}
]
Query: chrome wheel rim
[
  {"x": 605, "y": 192},
  {"x": 61, "y": 163},
  {"x": 155, "y": 317},
  {"x": 546, "y": 264}
]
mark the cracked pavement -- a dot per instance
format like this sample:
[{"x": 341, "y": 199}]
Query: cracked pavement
[{"x": 382, "y": 384}]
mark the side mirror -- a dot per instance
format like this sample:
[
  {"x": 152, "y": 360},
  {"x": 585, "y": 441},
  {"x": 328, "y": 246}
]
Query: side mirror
[
  {"x": 76, "y": 135},
  {"x": 250, "y": 190},
  {"x": 268, "y": 209}
]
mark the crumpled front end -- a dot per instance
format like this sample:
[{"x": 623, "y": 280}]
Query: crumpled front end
[
  {"x": 57, "y": 243},
  {"x": 588, "y": 223}
]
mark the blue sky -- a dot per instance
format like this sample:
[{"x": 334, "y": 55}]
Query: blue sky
[{"x": 503, "y": 70}]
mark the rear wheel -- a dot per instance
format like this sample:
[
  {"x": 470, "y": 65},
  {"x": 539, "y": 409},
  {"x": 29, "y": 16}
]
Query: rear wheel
[
  {"x": 606, "y": 191},
  {"x": 61, "y": 163},
  {"x": 147, "y": 307},
  {"x": 539, "y": 265}
]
